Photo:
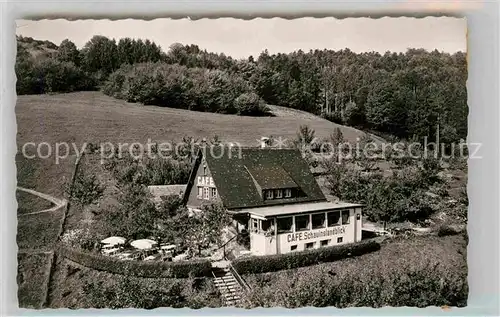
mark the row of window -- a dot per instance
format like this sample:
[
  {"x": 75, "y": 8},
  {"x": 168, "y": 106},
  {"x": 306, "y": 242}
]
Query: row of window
[
  {"x": 207, "y": 193},
  {"x": 311, "y": 245},
  {"x": 313, "y": 221},
  {"x": 278, "y": 193},
  {"x": 303, "y": 222}
]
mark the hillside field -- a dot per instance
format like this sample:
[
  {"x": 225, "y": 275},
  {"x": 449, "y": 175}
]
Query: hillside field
[
  {"x": 94, "y": 117},
  {"x": 374, "y": 279},
  {"x": 33, "y": 277}
]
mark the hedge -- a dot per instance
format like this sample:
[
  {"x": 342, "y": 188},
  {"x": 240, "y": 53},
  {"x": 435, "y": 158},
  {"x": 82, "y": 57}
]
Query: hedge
[
  {"x": 272, "y": 263},
  {"x": 448, "y": 230},
  {"x": 153, "y": 269}
]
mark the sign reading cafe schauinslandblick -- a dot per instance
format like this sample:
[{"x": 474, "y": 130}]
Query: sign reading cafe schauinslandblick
[{"x": 300, "y": 236}]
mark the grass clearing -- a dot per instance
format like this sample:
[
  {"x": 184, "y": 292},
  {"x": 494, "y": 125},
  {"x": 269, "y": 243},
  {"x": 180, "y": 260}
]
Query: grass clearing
[
  {"x": 44, "y": 175},
  {"x": 27, "y": 203},
  {"x": 39, "y": 232},
  {"x": 32, "y": 278},
  {"x": 94, "y": 117},
  {"x": 382, "y": 269}
]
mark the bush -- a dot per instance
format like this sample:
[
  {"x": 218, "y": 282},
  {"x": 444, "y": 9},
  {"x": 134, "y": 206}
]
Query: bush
[
  {"x": 430, "y": 285},
  {"x": 250, "y": 104},
  {"x": 335, "y": 117},
  {"x": 50, "y": 75},
  {"x": 196, "y": 268},
  {"x": 86, "y": 189},
  {"x": 447, "y": 230},
  {"x": 272, "y": 263},
  {"x": 396, "y": 198},
  {"x": 129, "y": 292}
]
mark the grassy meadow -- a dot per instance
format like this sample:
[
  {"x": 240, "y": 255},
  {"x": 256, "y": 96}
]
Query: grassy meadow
[
  {"x": 33, "y": 278},
  {"x": 28, "y": 203},
  {"x": 44, "y": 175},
  {"x": 39, "y": 232},
  {"x": 422, "y": 271},
  {"x": 94, "y": 117}
]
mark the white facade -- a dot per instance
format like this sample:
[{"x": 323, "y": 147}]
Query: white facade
[{"x": 275, "y": 231}]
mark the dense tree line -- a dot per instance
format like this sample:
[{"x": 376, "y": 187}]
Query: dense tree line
[
  {"x": 176, "y": 86},
  {"x": 43, "y": 67},
  {"x": 406, "y": 95}
]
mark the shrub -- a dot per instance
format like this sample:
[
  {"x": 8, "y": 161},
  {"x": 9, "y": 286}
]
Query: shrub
[
  {"x": 335, "y": 117},
  {"x": 86, "y": 189},
  {"x": 396, "y": 198},
  {"x": 447, "y": 230},
  {"x": 430, "y": 285},
  {"x": 50, "y": 75},
  {"x": 151, "y": 171},
  {"x": 353, "y": 114},
  {"x": 271, "y": 263},
  {"x": 129, "y": 292},
  {"x": 250, "y": 104},
  {"x": 195, "y": 268}
]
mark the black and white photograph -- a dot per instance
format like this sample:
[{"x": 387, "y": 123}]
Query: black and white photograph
[{"x": 194, "y": 163}]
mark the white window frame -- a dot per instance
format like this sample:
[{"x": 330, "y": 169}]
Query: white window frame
[
  {"x": 308, "y": 223},
  {"x": 206, "y": 193},
  {"x": 269, "y": 194},
  {"x": 342, "y": 212},
  {"x": 288, "y": 193},
  {"x": 200, "y": 192},
  {"x": 339, "y": 221},
  {"x": 324, "y": 220},
  {"x": 255, "y": 225},
  {"x": 214, "y": 192},
  {"x": 290, "y": 230},
  {"x": 279, "y": 193}
]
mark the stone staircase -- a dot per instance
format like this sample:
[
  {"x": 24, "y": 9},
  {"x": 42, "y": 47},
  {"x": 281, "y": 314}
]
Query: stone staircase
[{"x": 229, "y": 288}]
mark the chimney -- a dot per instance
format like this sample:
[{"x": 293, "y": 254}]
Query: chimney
[{"x": 264, "y": 142}]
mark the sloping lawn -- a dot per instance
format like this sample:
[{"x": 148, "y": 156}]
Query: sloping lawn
[
  {"x": 44, "y": 175},
  {"x": 39, "y": 232},
  {"x": 420, "y": 271},
  {"x": 81, "y": 287},
  {"x": 27, "y": 203},
  {"x": 94, "y": 117},
  {"x": 33, "y": 276}
]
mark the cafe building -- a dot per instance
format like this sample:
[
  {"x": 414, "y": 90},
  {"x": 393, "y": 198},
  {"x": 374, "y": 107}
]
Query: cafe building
[{"x": 274, "y": 197}]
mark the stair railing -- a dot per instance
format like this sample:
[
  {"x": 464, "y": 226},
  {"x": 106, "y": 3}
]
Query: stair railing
[
  {"x": 240, "y": 279},
  {"x": 223, "y": 247}
]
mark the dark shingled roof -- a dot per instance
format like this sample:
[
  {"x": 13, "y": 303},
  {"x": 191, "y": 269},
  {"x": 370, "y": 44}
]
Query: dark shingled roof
[
  {"x": 238, "y": 177},
  {"x": 271, "y": 177}
]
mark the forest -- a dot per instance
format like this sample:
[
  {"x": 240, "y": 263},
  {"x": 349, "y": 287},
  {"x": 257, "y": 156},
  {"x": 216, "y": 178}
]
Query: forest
[{"x": 397, "y": 95}]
